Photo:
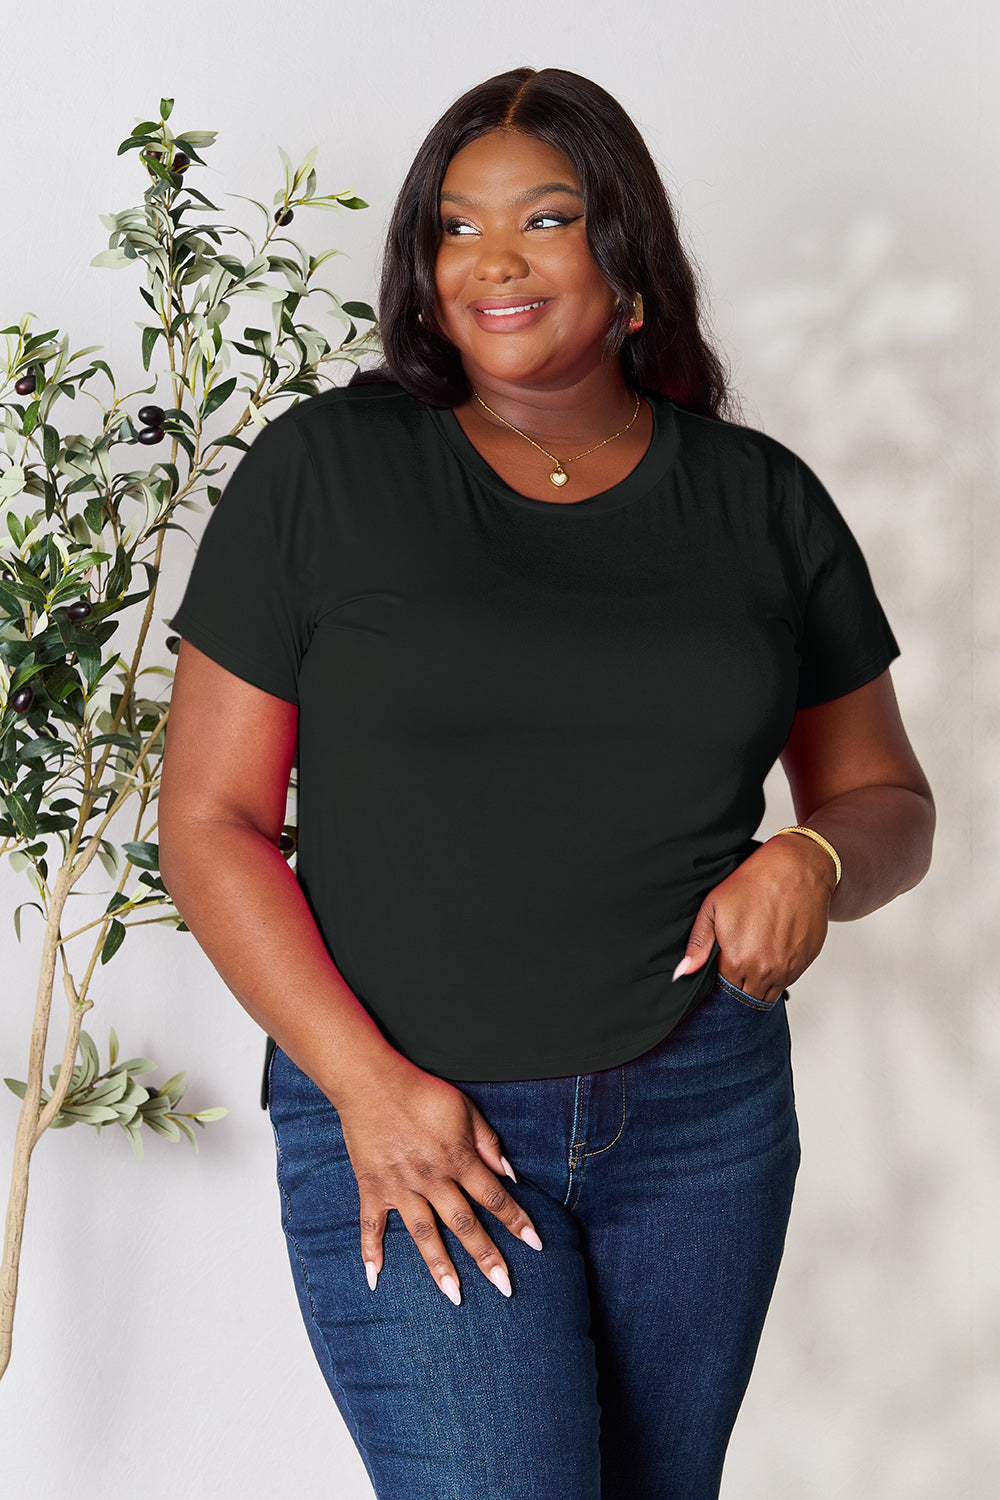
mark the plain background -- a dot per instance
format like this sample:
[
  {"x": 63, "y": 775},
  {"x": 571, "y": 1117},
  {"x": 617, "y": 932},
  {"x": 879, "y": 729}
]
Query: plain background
[{"x": 835, "y": 170}]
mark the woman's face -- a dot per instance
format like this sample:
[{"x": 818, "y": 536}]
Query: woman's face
[{"x": 518, "y": 292}]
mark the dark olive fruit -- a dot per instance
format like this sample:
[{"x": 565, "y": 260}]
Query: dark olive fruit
[
  {"x": 26, "y": 384},
  {"x": 286, "y": 844},
  {"x": 151, "y": 416},
  {"x": 181, "y": 162},
  {"x": 153, "y": 1093},
  {"x": 149, "y": 435},
  {"x": 80, "y": 609},
  {"x": 284, "y": 216},
  {"x": 22, "y": 700},
  {"x": 173, "y": 643}
]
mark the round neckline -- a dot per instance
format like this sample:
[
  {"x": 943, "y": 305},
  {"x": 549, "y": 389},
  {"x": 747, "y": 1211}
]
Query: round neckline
[{"x": 647, "y": 473}]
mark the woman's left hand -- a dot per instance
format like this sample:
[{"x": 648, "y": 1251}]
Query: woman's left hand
[{"x": 769, "y": 917}]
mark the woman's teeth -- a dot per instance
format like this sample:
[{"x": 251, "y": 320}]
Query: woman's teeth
[{"x": 507, "y": 312}]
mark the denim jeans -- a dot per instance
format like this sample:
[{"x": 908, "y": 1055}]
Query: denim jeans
[{"x": 661, "y": 1190}]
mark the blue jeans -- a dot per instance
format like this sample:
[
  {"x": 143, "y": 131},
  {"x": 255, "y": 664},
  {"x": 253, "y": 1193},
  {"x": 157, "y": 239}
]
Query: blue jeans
[{"x": 661, "y": 1190}]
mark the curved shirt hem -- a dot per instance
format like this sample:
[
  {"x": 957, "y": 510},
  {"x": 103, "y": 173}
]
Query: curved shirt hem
[{"x": 590, "y": 1062}]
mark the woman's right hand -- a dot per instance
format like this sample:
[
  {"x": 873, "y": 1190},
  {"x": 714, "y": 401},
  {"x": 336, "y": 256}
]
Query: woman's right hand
[{"x": 419, "y": 1145}]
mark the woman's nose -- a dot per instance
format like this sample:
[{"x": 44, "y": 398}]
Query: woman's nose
[{"x": 499, "y": 260}]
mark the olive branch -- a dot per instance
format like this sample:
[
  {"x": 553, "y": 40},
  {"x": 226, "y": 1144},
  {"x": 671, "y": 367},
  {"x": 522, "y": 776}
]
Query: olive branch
[{"x": 82, "y": 726}]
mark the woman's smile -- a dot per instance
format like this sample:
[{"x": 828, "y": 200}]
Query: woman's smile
[{"x": 501, "y": 315}]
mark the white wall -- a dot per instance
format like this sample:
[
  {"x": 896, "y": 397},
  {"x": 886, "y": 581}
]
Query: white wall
[{"x": 835, "y": 167}]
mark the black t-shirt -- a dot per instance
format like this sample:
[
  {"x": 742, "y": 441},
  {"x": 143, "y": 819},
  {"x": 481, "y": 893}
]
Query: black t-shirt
[{"x": 532, "y": 735}]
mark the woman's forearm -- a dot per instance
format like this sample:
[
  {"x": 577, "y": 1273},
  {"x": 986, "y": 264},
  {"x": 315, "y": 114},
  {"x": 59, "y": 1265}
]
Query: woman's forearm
[
  {"x": 248, "y": 913},
  {"x": 883, "y": 835}
]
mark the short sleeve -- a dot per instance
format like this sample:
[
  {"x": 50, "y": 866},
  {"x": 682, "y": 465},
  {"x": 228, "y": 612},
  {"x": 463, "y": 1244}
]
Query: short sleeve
[
  {"x": 846, "y": 639},
  {"x": 248, "y": 599}
]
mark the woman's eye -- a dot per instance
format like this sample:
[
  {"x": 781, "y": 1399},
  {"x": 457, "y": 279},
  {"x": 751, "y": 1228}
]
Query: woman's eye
[
  {"x": 457, "y": 226},
  {"x": 547, "y": 220}
]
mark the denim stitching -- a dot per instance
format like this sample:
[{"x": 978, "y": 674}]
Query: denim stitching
[
  {"x": 750, "y": 1001},
  {"x": 620, "y": 1128},
  {"x": 312, "y": 1305},
  {"x": 573, "y": 1159}
]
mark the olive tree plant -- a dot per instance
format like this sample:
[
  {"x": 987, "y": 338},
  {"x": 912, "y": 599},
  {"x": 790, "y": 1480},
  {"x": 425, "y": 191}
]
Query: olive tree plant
[{"x": 81, "y": 551}]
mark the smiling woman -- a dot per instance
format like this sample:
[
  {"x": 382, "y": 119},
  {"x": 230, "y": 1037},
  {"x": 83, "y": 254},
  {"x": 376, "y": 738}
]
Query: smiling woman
[
  {"x": 519, "y": 295},
  {"x": 537, "y": 618}
]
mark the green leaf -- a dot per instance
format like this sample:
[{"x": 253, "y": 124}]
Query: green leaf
[
  {"x": 133, "y": 1129},
  {"x": 89, "y": 657},
  {"x": 93, "y": 511},
  {"x": 21, "y": 812},
  {"x": 173, "y": 1089},
  {"x": 163, "y": 1125},
  {"x": 216, "y": 396},
  {"x": 11, "y": 604},
  {"x": 149, "y": 337},
  {"x": 139, "y": 1065},
  {"x": 108, "y": 1090},
  {"x": 210, "y": 1114},
  {"x": 113, "y": 941},
  {"x": 14, "y": 1084},
  {"x": 113, "y": 1040},
  {"x": 50, "y": 446},
  {"x": 89, "y": 1058},
  {"x": 145, "y": 855},
  {"x": 166, "y": 105},
  {"x": 126, "y": 741},
  {"x": 89, "y": 1114},
  {"x": 17, "y": 915},
  {"x": 183, "y": 1125},
  {"x": 115, "y": 259},
  {"x": 359, "y": 310}
]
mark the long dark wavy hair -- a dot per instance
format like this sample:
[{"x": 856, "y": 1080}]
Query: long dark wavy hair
[{"x": 631, "y": 231}]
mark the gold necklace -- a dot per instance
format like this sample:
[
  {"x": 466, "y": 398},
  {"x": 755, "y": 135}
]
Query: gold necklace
[{"x": 559, "y": 475}]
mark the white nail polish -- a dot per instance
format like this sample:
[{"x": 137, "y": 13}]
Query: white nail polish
[
  {"x": 682, "y": 967},
  {"x": 508, "y": 1168},
  {"x": 449, "y": 1286},
  {"x": 529, "y": 1237},
  {"x": 500, "y": 1279},
  {"x": 371, "y": 1273}
]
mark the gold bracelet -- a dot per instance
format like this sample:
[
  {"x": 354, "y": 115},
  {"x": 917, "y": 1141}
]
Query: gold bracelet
[{"x": 825, "y": 843}]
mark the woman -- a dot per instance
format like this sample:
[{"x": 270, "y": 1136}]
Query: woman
[{"x": 537, "y": 620}]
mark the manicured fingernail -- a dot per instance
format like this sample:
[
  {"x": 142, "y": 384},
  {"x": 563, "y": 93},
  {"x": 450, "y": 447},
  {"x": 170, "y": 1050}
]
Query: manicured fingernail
[
  {"x": 682, "y": 967},
  {"x": 371, "y": 1273},
  {"x": 529, "y": 1237},
  {"x": 500, "y": 1279},
  {"x": 450, "y": 1288},
  {"x": 508, "y": 1168}
]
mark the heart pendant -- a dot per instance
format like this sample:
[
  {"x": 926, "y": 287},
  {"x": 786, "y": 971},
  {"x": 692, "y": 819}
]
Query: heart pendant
[{"x": 559, "y": 477}]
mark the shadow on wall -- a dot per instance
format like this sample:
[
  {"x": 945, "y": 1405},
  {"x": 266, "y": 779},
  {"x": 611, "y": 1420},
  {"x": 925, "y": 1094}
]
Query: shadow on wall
[{"x": 874, "y": 373}]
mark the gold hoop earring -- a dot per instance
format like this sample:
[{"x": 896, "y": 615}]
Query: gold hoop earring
[{"x": 636, "y": 320}]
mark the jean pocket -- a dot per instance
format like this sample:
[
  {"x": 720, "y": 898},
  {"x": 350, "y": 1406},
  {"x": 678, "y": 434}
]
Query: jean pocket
[{"x": 750, "y": 1001}]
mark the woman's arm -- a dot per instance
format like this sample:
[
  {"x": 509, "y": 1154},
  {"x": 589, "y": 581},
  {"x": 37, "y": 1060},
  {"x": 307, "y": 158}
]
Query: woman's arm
[
  {"x": 416, "y": 1143},
  {"x": 855, "y": 779}
]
